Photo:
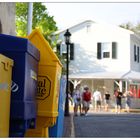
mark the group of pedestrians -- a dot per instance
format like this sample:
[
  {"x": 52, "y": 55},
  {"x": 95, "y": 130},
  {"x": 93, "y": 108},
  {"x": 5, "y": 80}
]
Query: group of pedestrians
[
  {"x": 119, "y": 95},
  {"x": 98, "y": 100},
  {"x": 118, "y": 100},
  {"x": 83, "y": 99}
]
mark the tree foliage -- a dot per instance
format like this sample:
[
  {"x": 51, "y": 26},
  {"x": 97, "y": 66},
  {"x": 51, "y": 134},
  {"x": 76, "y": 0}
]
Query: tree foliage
[
  {"x": 128, "y": 26},
  {"x": 132, "y": 27},
  {"x": 41, "y": 20}
]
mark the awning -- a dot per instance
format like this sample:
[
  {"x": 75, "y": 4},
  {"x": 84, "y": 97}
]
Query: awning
[{"x": 130, "y": 75}]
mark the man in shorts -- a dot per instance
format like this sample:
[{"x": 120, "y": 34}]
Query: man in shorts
[
  {"x": 86, "y": 100},
  {"x": 107, "y": 100},
  {"x": 118, "y": 95}
]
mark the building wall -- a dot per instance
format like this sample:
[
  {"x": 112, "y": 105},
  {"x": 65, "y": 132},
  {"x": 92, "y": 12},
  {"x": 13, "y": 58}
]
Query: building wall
[
  {"x": 85, "y": 57},
  {"x": 134, "y": 64},
  {"x": 85, "y": 54},
  {"x": 102, "y": 85},
  {"x": 109, "y": 86},
  {"x": 7, "y": 18}
]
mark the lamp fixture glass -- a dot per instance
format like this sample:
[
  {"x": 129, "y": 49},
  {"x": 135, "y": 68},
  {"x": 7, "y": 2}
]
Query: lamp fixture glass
[{"x": 67, "y": 37}]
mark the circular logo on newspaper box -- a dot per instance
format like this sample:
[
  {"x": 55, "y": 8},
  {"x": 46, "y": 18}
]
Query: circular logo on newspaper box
[{"x": 43, "y": 88}]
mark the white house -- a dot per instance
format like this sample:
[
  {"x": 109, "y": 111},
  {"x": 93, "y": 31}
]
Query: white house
[{"x": 103, "y": 56}]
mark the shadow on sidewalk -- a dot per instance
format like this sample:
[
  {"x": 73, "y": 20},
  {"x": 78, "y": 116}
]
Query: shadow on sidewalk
[{"x": 68, "y": 126}]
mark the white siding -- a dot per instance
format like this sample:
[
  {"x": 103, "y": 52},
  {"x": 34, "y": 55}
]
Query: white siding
[
  {"x": 134, "y": 41},
  {"x": 86, "y": 49}
]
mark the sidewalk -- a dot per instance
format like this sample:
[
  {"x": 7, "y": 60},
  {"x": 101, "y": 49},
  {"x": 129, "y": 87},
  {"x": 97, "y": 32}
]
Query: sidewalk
[{"x": 68, "y": 130}]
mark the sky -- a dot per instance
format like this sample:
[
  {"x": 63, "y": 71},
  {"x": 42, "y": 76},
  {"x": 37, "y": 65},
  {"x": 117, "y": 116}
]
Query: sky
[{"x": 66, "y": 14}]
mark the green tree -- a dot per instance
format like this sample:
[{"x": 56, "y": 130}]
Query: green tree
[
  {"x": 137, "y": 28},
  {"x": 128, "y": 26},
  {"x": 132, "y": 27},
  {"x": 41, "y": 20}
]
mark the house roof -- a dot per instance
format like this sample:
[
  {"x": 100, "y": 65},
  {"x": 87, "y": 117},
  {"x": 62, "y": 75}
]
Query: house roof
[
  {"x": 73, "y": 26},
  {"x": 87, "y": 22},
  {"x": 130, "y": 75}
]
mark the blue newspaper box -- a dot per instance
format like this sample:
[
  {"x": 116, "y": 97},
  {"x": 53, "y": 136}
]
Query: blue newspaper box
[
  {"x": 57, "y": 129},
  {"x": 24, "y": 85}
]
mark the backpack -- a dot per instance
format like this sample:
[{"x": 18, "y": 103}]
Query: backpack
[
  {"x": 78, "y": 99},
  {"x": 87, "y": 96}
]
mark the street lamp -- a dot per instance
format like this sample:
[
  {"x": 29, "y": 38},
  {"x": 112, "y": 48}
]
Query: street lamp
[{"x": 67, "y": 41}]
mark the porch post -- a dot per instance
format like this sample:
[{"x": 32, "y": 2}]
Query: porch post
[
  {"x": 92, "y": 85},
  {"x": 75, "y": 82},
  {"x": 126, "y": 86},
  {"x": 120, "y": 85}
]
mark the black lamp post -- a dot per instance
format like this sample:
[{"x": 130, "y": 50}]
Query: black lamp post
[{"x": 67, "y": 41}]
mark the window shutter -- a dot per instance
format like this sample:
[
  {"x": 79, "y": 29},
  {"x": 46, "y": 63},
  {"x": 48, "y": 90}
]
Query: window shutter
[
  {"x": 114, "y": 50},
  {"x": 58, "y": 48},
  {"x": 99, "y": 50},
  {"x": 135, "y": 55},
  {"x": 138, "y": 54},
  {"x": 72, "y": 51}
]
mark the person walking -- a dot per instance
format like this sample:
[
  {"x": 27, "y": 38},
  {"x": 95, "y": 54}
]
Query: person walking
[
  {"x": 77, "y": 98},
  {"x": 97, "y": 98},
  {"x": 86, "y": 100},
  {"x": 128, "y": 95},
  {"x": 118, "y": 95},
  {"x": 107, "y": 100}
]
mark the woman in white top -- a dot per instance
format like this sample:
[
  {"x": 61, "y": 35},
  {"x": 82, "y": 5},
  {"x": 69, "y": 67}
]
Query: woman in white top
[{"x": 77, "y": 100}]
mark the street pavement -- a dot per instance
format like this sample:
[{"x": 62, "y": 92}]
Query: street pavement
[{"x": 103, "y": 125}]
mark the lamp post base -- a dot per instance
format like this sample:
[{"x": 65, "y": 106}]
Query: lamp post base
[
  {"x": 67, "y": 107},
  {"x": 66, "y": 114}
]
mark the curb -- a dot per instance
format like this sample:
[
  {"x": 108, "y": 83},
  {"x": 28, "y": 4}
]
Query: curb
[
  {"x": 131, "y": 110},
  {"x": 68, "y": 129},
  {"x": 72, "y": 127}
]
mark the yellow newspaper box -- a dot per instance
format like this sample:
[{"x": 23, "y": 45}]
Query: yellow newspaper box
[
  {"x": 5, "y": 94},
  {"x": 48, "y": 86}
]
